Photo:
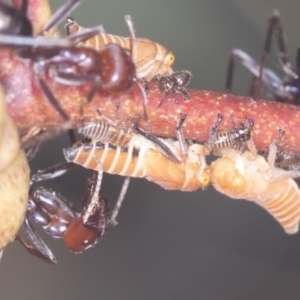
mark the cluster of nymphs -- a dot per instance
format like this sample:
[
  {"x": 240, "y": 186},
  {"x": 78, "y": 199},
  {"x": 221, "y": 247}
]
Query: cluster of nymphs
[{"x": 175, "y": 164}]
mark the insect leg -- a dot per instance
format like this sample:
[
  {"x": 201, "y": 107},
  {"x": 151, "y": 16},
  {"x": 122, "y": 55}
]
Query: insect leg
[
  {"x": 39, "y": 248},
  {"x": 52, "y": 99},
  {"x": 32, "y": 151},
  {"x": 52, "y": 172},
  {"x": 166, "y": 150},
  {"x": 119, "y": 202},
  {"x": 213, "y": 131},
  {"x": 132, "y": 39},
  {"x": 95, "y": 198},
  {"x": 274, "y": 27}
]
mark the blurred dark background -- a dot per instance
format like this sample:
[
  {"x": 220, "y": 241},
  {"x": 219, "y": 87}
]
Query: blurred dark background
[{"x": 171, "y": 245}]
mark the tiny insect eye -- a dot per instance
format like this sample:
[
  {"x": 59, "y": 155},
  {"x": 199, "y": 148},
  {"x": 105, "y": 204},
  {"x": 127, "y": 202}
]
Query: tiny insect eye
[
  {"x": 204, "y": 179},
  {"x": 237, "y": 180},
  {"x": 170, "y": 59}
]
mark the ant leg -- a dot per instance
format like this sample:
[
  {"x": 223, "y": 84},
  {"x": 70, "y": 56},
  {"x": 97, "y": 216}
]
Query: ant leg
[
  {"x": 253, "y": 87},
  {"x": 132, "y": 47},
  {"x": 166, "y": 150},
  {"x": 274, "y": 27},
  {"x": 49, "y": 95},
  {"x": 52, "y": 172},
  {"x": 119, "y": 202},
  {"x": 298, "y": 61},
  {"x": 39, "y": 248},
  {"x": 24, "y": 7},
  {"x": 265, "y": 75},
  {"x": 72, "y": 137},
  {"x": 246, "y": 60},
  {"x": 230, "y": 71},
  {"x": 32, "y": 151}
]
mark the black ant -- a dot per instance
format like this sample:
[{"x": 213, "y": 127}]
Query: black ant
[
  {"x": 112, "y": 69},
  {"x": 286, "y": 90},
  {"x": 79, "y": 231}
]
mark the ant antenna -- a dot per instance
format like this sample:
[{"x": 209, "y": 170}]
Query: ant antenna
[{"x": 132, "y": 38}]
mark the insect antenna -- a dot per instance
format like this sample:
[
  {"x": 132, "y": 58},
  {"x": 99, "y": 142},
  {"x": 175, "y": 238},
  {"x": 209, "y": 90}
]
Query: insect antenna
[{"x": 132, "y": 39}]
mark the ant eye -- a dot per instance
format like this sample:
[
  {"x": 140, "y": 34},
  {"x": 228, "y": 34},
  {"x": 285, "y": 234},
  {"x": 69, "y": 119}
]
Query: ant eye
[{"x": 170, "y": 59}]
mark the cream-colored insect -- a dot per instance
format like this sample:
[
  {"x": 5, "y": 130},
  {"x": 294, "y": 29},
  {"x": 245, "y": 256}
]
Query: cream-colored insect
[
  {"x": 150, "y": 58},
  {"x": 251, "y": 177},
  {"x": 106, "y": 131},
  {"x": 162, "y": 161}
]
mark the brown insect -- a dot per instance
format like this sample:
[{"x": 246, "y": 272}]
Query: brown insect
[
  {"x": 79, "y": 231},
  {"x": 172, "y": 84}
]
